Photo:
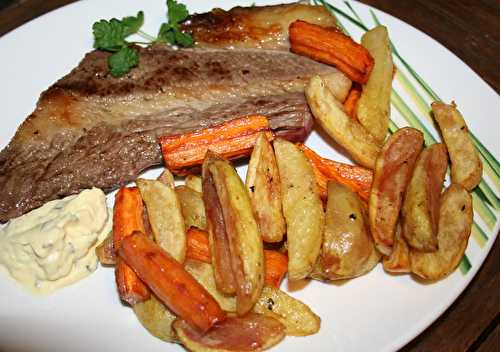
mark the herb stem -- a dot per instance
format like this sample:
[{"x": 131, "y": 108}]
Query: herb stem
[{"x": 146, "y": 36}]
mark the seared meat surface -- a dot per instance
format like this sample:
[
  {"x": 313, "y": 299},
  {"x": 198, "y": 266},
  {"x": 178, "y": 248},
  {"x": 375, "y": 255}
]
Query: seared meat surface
[{"x": 90, "y": 129}]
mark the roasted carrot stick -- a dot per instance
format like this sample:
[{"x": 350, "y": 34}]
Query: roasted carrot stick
[
  {"x": 171, "y": 283},
  {"x": 232, "y": 139},
  {"x": 199, "y": 249},
  {"x": 352, "y": 100},
  {"x": 127, "y": 218},
  {"x": 276, "y": 267},
  {"x": 331, "y": 47},
  {"x": 357, "y": 178}
]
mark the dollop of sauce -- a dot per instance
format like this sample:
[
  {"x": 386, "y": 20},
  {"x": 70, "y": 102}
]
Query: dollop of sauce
[{"x": 54, "y": 246}]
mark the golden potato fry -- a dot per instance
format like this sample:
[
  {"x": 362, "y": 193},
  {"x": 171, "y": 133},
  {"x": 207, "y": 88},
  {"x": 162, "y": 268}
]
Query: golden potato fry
[
  {"x": 421, "y": 204},
  {"x": 263, "y": 184},
  {"x": 374, "y": 105},
  {"x": 165, "y": 216},
  {"x": 399, "y": 260},
  {"x": 239, "y": 231},
  {"x": 455, "y": 223},
  {"x": 156, "y": 318},
  {"x": 392, "y": 173},
  {"x": 167, "y": 178},
  {"x": 466, "y": 166},
  {"x": 338, "y": 84},
  {"x": 252, "y": 332},
  {"x": 193, "y": 209},
  {"x": 204, "y": 274},
  {"x": 345, "y": 130},
  {"x": 194, "y": 182},
  {"x": 302, "y": 208},
  {"x": 297, "y": 317},
  {"x": 348, "y": 250}
]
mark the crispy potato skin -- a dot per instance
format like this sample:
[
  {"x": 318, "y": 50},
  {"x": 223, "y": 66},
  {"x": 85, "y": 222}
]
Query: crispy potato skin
[
  {"x": 156, "y": 318},
  {"x": 348, "y": 249},
  {"x": 263, "y": 185},
  {"x": 392, "y": 173},
  {"x": 466, "y": 166},
  {"x": 455, "y": 223},
  {"x": 302, "y": 208},
  {"x": 297, "y": 317},
  {"x": 399, "y": 260},
  {"x": 165, "y": 216},
  {"x": 420, "y": 210},
  {"x": 342, "y": 128},
  {"x": 252, "y": 332},
  {"x": 192, "y": 206},
  {"x": 374, "y": 105}
]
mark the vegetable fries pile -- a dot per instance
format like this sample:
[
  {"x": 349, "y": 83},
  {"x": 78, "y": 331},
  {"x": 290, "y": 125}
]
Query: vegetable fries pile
[{"x": 202, "y": 263}]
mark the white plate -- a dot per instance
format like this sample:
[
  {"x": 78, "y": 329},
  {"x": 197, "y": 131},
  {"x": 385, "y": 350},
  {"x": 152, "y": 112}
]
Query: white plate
[{"x": 377, "y": 312}]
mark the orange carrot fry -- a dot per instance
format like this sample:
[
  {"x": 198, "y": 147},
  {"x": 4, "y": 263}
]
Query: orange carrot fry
[
  {"x": 357, "y": 178},
  {"x": 127, "y": 218},
  {"x": 331, "y": 47},
  {"x": 352, "y": 100},
  {"x": 276, "y": 267},
  {"x": 198, "y": 247},
  {"x": 171, "y": 283},
  {"x": 232, "y": 139}
]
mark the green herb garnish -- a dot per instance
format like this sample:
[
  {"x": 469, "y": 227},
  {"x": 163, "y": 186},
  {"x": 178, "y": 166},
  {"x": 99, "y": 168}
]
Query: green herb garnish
[{"x": 112, "y": 36}]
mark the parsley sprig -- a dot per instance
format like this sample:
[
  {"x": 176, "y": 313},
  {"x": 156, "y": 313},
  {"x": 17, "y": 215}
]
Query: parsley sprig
[{"x": 112, "y": 36}]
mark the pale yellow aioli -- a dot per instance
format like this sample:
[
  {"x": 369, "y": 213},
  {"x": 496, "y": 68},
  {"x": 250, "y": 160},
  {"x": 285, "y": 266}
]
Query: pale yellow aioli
[{"x": 54, "y": 245}]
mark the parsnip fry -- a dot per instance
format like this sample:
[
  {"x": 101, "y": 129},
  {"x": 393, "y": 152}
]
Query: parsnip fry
[
  {"x": 466, "y": 166},
  {"x": 173, "y": 285},
  {"x": 374, "y": 104},
  {"x": 344, "y": 130},
  {"x": 263, "y": 184},
  {"x": 302, "y": 208},
  {"x": 393, "y": 171},
  {"x": 165, "y": 216}
]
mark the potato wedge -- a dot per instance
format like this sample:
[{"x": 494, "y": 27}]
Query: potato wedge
[
  {"x": 455, "y": 223},
  {"x": 343, "y": 129},
  {"x": 348, "y": 250},
  {"x": 106, "y": 251},
  {"x": 165, "y": 216},
  {"x": 193, "y": 209},
  {"x": 466, "y": 166},
  {"x": 263, "y": 184},
  {"x": 302, "y": 208},
  {"x": 421, "y": 204},
  {"x": 253, "y": 332},
  {"x": 194, "y": 182},
  {"x": 297, "y": 317},
  {"x": 338, "y": 84},
  {"x": 244, "y": 242},
  {"x": 374, "y": 105},
  {"x": 392, "y": 173},
  {"x": 156, "y": 318},
  {"x": 204, "y": 274},
  {"x": 167, "y": 178},
  {"x": 399, "y": 260}
]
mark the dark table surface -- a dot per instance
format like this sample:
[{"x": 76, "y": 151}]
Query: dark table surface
[{"x": 471, "y": 29}]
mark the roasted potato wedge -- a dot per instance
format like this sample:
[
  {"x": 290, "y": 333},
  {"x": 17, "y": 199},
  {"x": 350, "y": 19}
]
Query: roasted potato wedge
[
  {"x": 455, "y": 223},
  {"x": 345, "y": 130},
  {"x": 252, "y": 332},
  {"x": 165, "y": 216},
  {"x": 466, "y": 166},
  {"x": 204, "y": 274},
  {"x": 239, "y": 231},
  {"x": 106, "y": 251},
  {"x": 297, "y": 317},
  {"x": 392, "y": 173},
  {"x": 156, "y": 318},
  {"x": 194, "y": 182},
  {"x": 421, "y": 204},
  {"x": 348, "y": 250},
  {"x": 399, "y": 260},
  {"x": 167, "y": 178},
  {"x": 374, "y": 105},
  {"x": 302, "y": 208},
  {"x": 193, "y": 209},
  {"x": 263, "y": 184},
  {"x": 338, "y": 84}
]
